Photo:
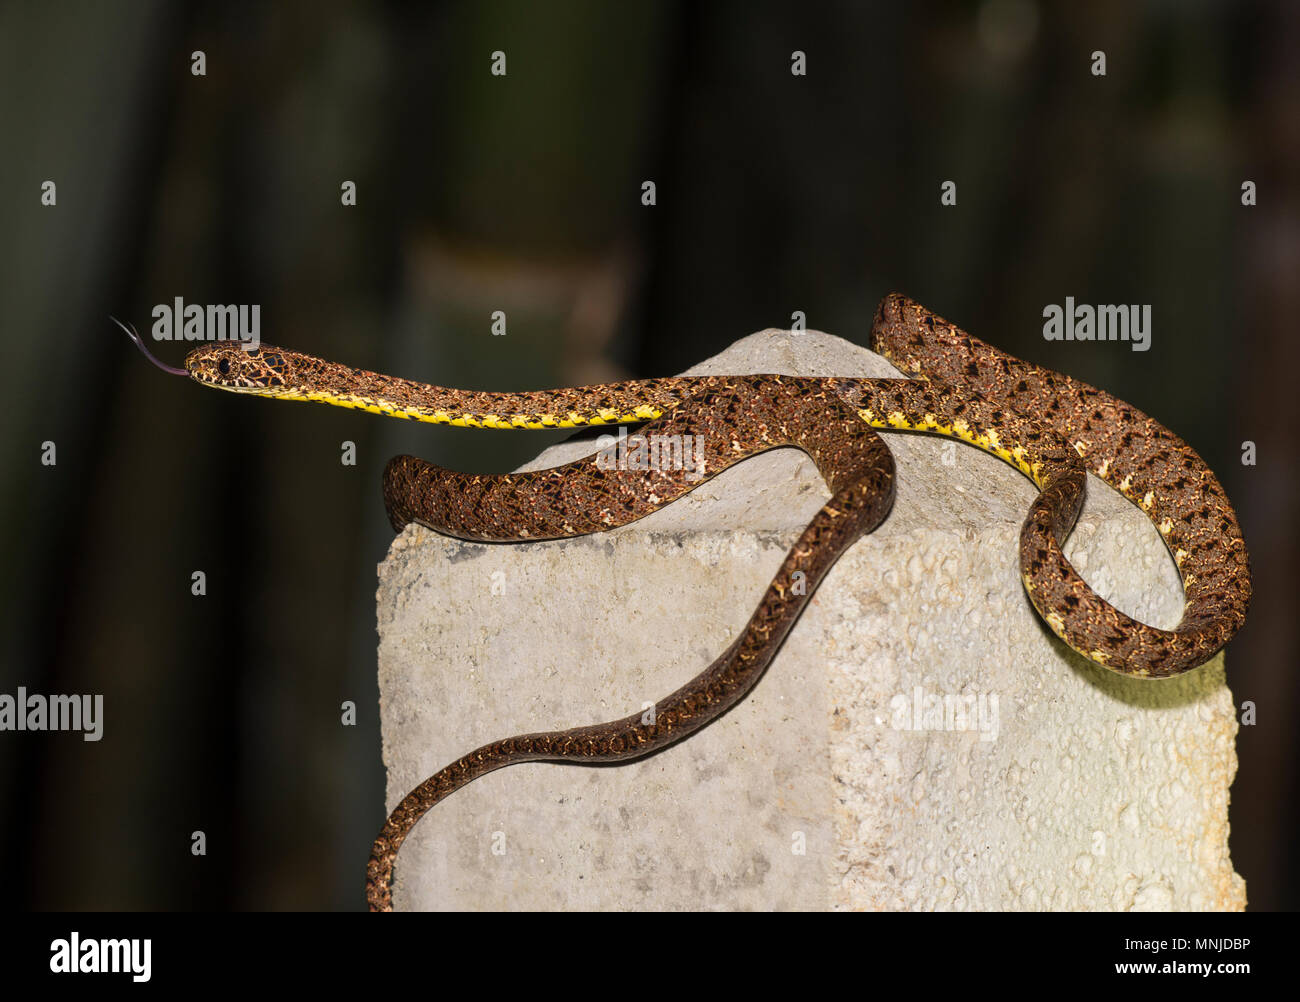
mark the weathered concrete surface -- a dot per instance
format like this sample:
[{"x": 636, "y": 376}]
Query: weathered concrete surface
[{"x": 1084, "y": 790}]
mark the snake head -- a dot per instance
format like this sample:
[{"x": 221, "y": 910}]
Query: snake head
[{"x": 228, "y": 366}]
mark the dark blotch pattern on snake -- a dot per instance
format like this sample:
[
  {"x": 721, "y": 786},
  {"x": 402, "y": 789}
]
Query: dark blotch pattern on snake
[{"x": 1049, "y": 426}]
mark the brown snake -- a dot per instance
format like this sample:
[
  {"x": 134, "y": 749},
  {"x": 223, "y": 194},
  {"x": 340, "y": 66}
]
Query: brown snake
[{"x": 1049, "y": 426}]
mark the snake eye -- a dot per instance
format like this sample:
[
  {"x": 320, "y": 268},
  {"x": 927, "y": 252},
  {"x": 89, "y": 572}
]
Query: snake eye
[{"x": 224, "y": 366}]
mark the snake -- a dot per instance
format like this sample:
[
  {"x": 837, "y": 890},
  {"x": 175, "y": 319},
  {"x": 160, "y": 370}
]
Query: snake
[{"x": 1052, "y": 428}]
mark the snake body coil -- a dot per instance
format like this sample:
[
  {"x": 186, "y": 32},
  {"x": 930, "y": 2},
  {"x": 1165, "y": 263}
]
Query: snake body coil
[{"x": 1049, "y": 426}]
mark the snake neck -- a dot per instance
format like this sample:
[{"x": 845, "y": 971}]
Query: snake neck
[
  {"x": 288, "y": 375},
  {"x": 619, "y": 403}
]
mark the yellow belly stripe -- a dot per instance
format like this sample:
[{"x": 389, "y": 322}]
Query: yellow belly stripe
[
  {"x": 534, "y": 422},
  {"x": 990, "y": 443}
]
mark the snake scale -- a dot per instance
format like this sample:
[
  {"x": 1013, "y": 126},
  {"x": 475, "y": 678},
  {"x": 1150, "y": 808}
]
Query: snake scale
[{"x": 1052, "y": 428}]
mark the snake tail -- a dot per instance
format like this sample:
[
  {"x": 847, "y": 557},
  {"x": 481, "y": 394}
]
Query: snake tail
[{"x": 858, "y": 469}]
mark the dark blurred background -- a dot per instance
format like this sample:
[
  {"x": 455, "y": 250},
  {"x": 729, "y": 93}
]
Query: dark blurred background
[{"x": 776, "y": 193}]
